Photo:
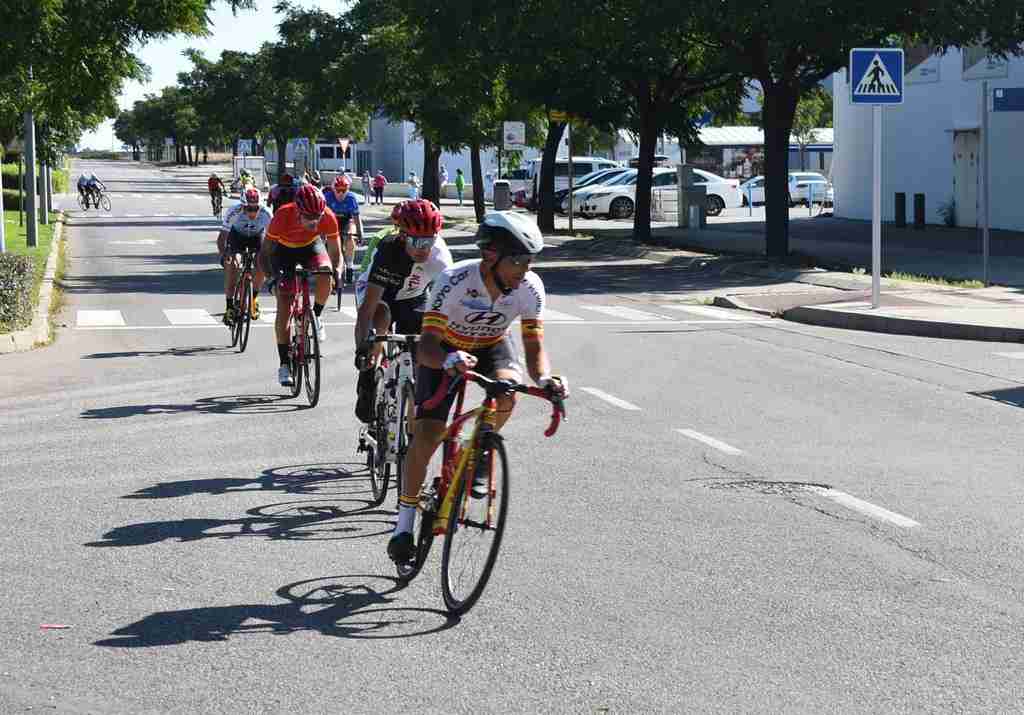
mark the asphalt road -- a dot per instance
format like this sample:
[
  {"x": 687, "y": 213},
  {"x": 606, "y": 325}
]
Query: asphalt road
[{"x": 742, "y": 514}]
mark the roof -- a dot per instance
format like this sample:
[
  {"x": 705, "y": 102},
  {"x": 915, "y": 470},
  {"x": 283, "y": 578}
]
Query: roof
[{"x": 742, "y": 136}]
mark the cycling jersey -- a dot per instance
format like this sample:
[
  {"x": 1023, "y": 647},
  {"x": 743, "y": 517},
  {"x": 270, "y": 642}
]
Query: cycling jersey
[
  {"x": 376, "y": 238},
  {"x": 214, "y": 185},
  {"x": 461, "y": 312},
  {"x": 281, "y": 195},
  {"x": 344, "y": 208},
  {"x": 398, "y": 274},
  {"x": 238, "y": 220},
  {"x": 286, "y": 228}
]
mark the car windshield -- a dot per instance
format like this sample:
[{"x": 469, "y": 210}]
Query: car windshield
[
  {"x": 591, "y": 177},
  {"x": 626, "y": 178},
  {"x": 707, "y": 175}
]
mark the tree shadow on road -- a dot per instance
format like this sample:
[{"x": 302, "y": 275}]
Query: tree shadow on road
[
  {"x": 226, "y": 405},
  {"x": 345, "y": 606},
  {"x": 197, "y": 351}
]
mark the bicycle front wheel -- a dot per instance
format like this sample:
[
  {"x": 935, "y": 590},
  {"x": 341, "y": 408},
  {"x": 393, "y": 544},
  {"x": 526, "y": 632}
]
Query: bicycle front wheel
[
  {"x": 380, "y": 471},
  {"x": 296, "y": 351},
  {"x": 311, "y": 361},
  {"x": 83, "y": 202},
  {"x": 245, "y": 312},
  {"x": 105, "y": 202},
  {"x": 474, "y": 532}
]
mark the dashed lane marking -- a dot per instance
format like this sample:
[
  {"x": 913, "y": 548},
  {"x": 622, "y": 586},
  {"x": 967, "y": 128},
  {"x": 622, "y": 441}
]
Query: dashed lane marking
[
  {"x": 710, "y": 441},
  {"x": 610, "y": 399},
  {"x": 621, "y": 311},
  {"x": 99, "y": 319},
  {"x": 867, "y": 508}
]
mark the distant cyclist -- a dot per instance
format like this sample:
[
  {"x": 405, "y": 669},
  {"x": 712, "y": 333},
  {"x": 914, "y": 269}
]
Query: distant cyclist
[
  {"x": 91, "y": 187},
  {"x": 244, "y": 226},
  {"x": 281, "y": 193},
  {"x": 345, "y": 206},
  {"x": 217, "y": 190}
]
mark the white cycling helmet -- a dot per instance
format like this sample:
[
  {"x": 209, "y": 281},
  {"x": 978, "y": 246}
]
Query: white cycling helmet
[{"x": 510, "y": 233}]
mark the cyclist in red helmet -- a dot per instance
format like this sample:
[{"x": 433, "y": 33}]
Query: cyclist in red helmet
[
  {"x": 304, "y": 232},
  {"x": 394, "y": 289},
  {"x": 244, "y": 225},
  {"x": 346, "y": 208}
]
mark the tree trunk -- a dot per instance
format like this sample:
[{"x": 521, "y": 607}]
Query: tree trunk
[
  {"x": 188, "y": 154},
  {"x": 779, "y": 109},
  {"x": 649, "y": 131},
  {"x": 206, "y": 155},
  {"x": 282, "y": 154},
  {"x": 546, "y": 199},
  {"x": 429, "y": 185},
  {"x": 478, "y": 181}
]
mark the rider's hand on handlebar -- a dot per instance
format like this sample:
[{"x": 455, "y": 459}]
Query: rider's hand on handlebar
[
  {"x": 556, "y": 385},
  {"x": 458, "y": 362}
]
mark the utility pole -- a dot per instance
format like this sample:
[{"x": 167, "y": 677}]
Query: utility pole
[{"x": 30, "y": 174}]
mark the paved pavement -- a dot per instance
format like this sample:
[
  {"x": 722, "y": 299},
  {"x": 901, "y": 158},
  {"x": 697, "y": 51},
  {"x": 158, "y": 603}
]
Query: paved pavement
[{"x": 742, "y": 513}]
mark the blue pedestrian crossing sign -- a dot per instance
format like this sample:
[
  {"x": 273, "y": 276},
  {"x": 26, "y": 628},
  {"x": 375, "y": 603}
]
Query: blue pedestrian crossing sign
[{"x": 876, "y": 75}]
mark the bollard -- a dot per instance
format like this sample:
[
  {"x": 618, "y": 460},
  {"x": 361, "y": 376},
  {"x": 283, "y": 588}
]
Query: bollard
[
  {"x": 919, "y": 211},
  {"x": 901, "y": 209}
]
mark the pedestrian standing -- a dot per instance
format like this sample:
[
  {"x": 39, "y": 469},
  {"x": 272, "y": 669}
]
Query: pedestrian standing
[
  {"x": 366, "y": 186},
  {"x": 379, "y": 182},
  {"x": 414, "y": 186},
  {"x": 460, "y": 184},
  {"x": 443, "y": 180}
]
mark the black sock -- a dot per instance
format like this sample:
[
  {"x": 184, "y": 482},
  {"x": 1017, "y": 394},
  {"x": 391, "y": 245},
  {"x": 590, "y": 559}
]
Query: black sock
[
  {"x": 282, "y": 352},
  {"x": 318, "y": 308}
]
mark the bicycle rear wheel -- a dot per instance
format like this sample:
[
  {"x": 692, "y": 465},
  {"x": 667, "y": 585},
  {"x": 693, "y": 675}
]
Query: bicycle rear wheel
[
  {"x": 83, "y": 202},
  {"x": 474, "y": 532},
  {"x": 245, "y": 312},
  {"x": 105, "y": 202},
  {"x": 311, "y": 360}
]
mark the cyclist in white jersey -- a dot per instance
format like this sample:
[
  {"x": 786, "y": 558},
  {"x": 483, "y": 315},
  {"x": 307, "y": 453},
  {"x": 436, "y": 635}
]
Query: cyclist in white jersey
[
  {"x": 466, "y": 326},
  {"x": 244, "y": 225}
]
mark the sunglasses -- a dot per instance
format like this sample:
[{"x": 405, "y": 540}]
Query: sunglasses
[
  {"x": 310, "y": 218},
  {"x": 520, "y": 261},
  {"x": 421, "y": 242},
  {"x": 251, "y": 209}
]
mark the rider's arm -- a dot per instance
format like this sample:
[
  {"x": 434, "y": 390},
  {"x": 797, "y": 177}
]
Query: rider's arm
[
  {"x": 364, "y": 319},
  {"x": 429, "y": 351},
  {"x": 532, "y": 320}
]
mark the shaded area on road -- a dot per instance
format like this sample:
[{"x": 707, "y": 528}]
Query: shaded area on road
[
  {"x": 293, "y": 479},
  {"x": 226, "y": 405},
  {"x": 198, "y": 351},
  {"x": 351, "y": 606},
  {"x": 206, "y": 282}
]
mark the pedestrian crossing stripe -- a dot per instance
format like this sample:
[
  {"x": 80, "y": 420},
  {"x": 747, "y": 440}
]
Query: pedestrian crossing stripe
[
  {"x": 876, "y": 79},
  {"x": 188, "y": 316}
]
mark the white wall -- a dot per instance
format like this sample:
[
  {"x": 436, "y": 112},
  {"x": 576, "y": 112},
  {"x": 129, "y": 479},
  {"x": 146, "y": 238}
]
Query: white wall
[{"x": 917, "y": 146}]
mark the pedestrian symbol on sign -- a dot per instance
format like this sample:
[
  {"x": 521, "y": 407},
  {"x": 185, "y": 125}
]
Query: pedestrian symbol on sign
[{"x": 876, "y": 79}]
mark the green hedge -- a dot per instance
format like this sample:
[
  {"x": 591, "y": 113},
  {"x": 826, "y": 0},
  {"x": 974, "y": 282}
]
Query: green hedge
[
  {"x": 17, "y": 280},
  {"x": 9, "y": 172},
  {"x": 11, "y": 200}
]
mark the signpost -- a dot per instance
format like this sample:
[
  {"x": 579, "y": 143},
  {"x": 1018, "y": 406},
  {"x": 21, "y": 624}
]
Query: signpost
[{"x": 876, "y": 79}]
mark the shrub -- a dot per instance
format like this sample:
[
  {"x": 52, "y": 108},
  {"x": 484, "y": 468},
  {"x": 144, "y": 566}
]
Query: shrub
[
  {"x": 11, "y": 200},
  {"x": 17, "y": 279}
]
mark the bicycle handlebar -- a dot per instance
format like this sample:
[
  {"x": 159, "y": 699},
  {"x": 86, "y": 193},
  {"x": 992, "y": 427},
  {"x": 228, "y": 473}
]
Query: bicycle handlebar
[{"x": 499, "y": 388}]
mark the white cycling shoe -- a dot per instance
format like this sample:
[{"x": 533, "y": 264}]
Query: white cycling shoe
[
  {"x": 321, "y": 332},
  {"x": 284, "y": 376}
]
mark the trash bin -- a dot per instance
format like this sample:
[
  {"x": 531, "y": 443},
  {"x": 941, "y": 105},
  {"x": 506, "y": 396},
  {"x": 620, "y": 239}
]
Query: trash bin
[{"x": 502, "y": 195}]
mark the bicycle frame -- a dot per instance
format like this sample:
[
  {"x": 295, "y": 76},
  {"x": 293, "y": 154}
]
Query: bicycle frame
[{"x": 399, "y": 370}]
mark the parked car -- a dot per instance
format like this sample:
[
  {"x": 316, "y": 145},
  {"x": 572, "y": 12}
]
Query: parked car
[
  {"x": 800, "y": 184},
  {"x": 722, "y": 193},
  {"x": 752, "y": 191},
  {"x": 618, "y": 198},
  {"x": 660, "y": 160},
  {"x": 594, "y": 178},
  {"x": 581, "y": 166}
]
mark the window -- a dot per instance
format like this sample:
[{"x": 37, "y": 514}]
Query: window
[
  {"x": 665, "y": 179},
  {"x": 327, "y": 152},
  {"x": 581, "y": 169},
  {"x": 561, "y": 169}
]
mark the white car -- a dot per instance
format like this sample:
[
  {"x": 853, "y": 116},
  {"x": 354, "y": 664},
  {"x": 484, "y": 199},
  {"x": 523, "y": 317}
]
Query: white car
[
  {"x": 801, "y": 183},
  {"x": 618, "y": 198},
  {"x": 721, "y": 193}
]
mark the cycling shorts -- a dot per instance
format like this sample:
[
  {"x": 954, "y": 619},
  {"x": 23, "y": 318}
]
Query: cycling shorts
[
  {"x": 238, "y": 241},
  {"x": 311, "y": 257},
  {"x": 501, "y": 356}
]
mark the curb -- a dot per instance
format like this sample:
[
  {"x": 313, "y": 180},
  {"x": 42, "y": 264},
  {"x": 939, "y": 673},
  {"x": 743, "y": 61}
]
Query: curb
[
  {"x": 725, "y": 301},
  {"x": 39, "y": 330},
  {"x": 902, "y": 326}
]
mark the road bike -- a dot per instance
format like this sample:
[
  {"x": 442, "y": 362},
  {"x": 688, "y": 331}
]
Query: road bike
[
  {"x": 385, "y": 440},
  {"x": 217, "y": 201},
  {"x": 472, "y": 526},
  {"x": 99, "y": 200},
  {"x": 243, "y": 294},
  {"x": 304, "y": 345}
]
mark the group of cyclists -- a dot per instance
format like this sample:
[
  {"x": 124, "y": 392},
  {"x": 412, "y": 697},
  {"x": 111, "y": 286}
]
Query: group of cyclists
[
  {"x": 90, "y": 188},
  {"x": 408, "y": 283}
]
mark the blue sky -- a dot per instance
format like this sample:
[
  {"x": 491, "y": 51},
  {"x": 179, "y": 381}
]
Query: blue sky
[{"x": 244, "y": 32}]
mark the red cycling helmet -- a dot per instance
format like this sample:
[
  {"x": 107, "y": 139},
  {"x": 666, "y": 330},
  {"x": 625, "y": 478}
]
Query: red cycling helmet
[
  {"x": 251, "y": 197},
  {"x": 342, "y": 182},
  {"x": 418, "y": 217},
  {"x": 310, "y": 201}
]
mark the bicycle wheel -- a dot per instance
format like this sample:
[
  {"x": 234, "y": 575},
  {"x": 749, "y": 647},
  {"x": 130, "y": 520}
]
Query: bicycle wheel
[
  {"x": 380, "y": 472},
  {"x": 244, "y": 318},
  {"x": 474, "y": 533},
  {"x": 83, "y": 202},
  {"x": 406, "y": 402},
  {"x": 311, "y": 360},
  {"x": 295, "y": 354},
  {"x": 105, "y": 202},
  {"x": 426, "y": 512}
]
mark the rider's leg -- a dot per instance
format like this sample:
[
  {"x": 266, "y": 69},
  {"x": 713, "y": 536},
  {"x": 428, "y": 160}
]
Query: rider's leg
[
  {"x": 427, "y": 436},
  {"x": 349, "y": 251},
  {"x": 281, "y": 328}
]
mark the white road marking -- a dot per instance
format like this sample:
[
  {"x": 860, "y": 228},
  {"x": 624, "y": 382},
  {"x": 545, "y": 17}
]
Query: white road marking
[
  {"x": 610, "y": 399},
  {"x": 866, "y": 508},
  {"x": 621, "y": 311},
  {"x": 99, "y": 318},
  {"x": 139, "y": 242},
  {"x": 555, "y": 315},
  {"x": 218, "y": 326},
  {"x": 711, "y": 312},
  {"x": 1012, "y": 356},
  {"x": 349, "y": 311},
  {"x": 161, "y": 215},
  {"x": 710, "y": 441},
  {"x": 189, "y": 316},
  {"x": 268, "y": 316}
]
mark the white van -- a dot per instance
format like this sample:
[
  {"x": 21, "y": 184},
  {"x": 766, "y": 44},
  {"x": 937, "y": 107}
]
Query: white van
[{"x": 581, "y": 166}]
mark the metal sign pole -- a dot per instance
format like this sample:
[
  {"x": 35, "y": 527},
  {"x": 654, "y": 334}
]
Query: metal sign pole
[
  {"x": 876, "y": 206},
  {"x": 984, "y": 183},
  {"x": 568, "y": 129}
]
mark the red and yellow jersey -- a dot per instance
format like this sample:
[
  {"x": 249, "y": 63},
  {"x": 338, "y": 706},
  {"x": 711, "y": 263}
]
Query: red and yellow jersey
[
  {"x": 461, "y": 311},
  {"x": 286, "y": 228}
]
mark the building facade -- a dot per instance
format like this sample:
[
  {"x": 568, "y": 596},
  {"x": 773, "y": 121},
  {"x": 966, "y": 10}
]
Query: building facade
[{"x": 932, "y": 143}]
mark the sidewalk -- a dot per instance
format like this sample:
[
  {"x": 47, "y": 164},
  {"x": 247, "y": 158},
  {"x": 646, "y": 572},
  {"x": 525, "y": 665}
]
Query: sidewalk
[{"x": 837, "y": 298}]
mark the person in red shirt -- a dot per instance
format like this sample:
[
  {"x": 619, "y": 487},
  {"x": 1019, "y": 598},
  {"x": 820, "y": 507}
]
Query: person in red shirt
[{"x": 304, "y": 232}]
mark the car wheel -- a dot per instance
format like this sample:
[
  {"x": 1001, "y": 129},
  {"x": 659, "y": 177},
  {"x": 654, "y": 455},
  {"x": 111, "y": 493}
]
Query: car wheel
[
  {"x": 714, "y": 205},
  {"x": 620, "y": 208}
]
